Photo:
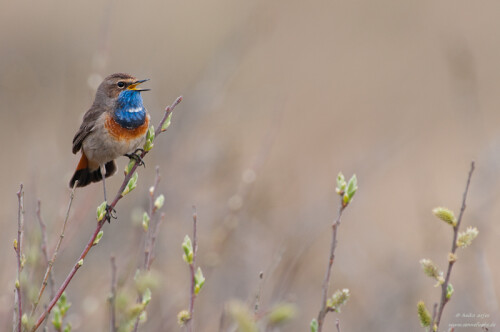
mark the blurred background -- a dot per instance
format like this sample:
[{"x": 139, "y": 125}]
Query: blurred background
[{"x": 279, "y": 96}]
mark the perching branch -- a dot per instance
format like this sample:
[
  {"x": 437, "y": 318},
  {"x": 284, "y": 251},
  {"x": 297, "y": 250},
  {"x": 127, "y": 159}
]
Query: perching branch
[
  {"x": 444, "y": 286},
  {"x": 100, "y": 224},
  {"x": 18, "y": 247}
]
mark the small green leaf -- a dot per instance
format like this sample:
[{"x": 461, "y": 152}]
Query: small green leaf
[
  {"x": 132, "y": 183},
  {"x": 129, "y": 166},
  {"x": 98, "y": 237},
  {"x": 314, "y": 325},
  {"x": 150, "y": 136},
  {"x": 341, "y": 184},
  {"x": 146, "y": 297},
  {"x": 101, "y": 211},
  {"x": 449, "y": 291},
  {"x": 187, "y": 246},
  {"x": 67, "y": 328},
  {"x": 199, "y": 280},
  {"x": 159, "y": 201},
  {"x": 145, "y": 221},
  {"x": 56, "y": 318},
  {"x": 167, "y": 122},
  {"x": 352, "y": 187}
]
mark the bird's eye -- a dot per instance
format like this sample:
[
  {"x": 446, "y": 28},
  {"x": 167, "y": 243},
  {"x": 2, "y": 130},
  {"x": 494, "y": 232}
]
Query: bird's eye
[{"x": 121, "y": 84}]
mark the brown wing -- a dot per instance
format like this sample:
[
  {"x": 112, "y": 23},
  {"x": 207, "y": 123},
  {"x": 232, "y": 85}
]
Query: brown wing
[{"x": 86, "y": 127}]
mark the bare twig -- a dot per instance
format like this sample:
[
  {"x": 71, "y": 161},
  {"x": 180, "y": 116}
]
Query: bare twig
[
  {"x": 257, "y": 296},
  {"x": 152, "y": 232},
  {"x": 326, "y": 282},
  {"x": 43, "y": 230},
  {"x": 454, "y": 247},
  {"x": 18, "y": 247},
  {"x": 100, "y": 224},
  {"x": 112, "y": 297},
  {"x": 56, "y": 251},
  {"x": 190, "y": 322},
  {"x": 337, "y": 324}
]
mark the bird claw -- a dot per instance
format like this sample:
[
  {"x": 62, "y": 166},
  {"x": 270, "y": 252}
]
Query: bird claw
[
  {"x": 110, "y": 213},
  {"x": 138, "y": 159}
]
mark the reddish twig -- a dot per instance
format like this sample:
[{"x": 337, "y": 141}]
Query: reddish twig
[
  {"x": 56, "y": 251},
  {"x": 326, "y": 282},
  {"x": 18, "y": 245},
  {"x": 454, "y": 247},
  {"x": 100, "y": 224},
  {"x": 112, "y": 297},
  {"x": 192, "y": 271}
]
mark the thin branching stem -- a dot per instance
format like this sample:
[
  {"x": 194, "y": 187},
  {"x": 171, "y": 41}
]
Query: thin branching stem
[
  {"x": 56, "y": 250},
  {"x": 190, "y": 322},
  {"x": 326, "y": 282},
  {"x": 100, "y": 224},
  {"x": 454, "y": 247},
  {"x": 151, "y": 233},
  {"x": 18, "y": 247},
  {"x": 44, "y": 245},
  {"x": 112, "y": 297}
]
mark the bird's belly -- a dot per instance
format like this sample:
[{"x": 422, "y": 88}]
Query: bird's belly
[{"x": 109, "y": 141}]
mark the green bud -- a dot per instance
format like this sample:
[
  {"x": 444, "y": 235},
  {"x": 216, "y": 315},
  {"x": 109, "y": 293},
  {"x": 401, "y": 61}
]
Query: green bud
[
  {"x": 445, "y": 215},
  {"x": 24, "y": 319},
  {"x": 338, "y": 299},
  {"x": 423, "y": 314},
  {"x": 98, "y": 237},
  {"x": 188, "y": 250},
  {"x": 341, "y": 184},
  {"x": 80, "y": 262},
  {"x": 146, "y": 297},
  {"x": 183, "y": 317},
  {"x": 150, "y": 136},
  {"x": 132, "y": 183},
  {"x": 159, "y": 201},
  {"x": 314, "y": 325},
  {"x": 243, "y": 317},
  {"x": 15, "y": 244},
  {"x": 56, "y": 318},
  {"x": 431, "y": 270},
  {"x": 145, "y": 221},
  {"x": 167, "y": 122},
  {"x": 129, "y": 166},
  {"x": 67, "y": 328},
  {"x": 143, "y": 316},
  {"x": 18, "y": 284},
  {"x": 352, "y": 187},
  {"x": 199, "y": 280},
  {"x": 282, "y": 313},
  {"x": 465, "y": 238},
  {"x": 449, "y": 291},
  {"x": 101, "y": 211}
]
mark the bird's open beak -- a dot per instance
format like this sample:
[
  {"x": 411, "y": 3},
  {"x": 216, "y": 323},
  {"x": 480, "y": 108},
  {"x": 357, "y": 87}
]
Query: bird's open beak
[{"x": 134, "y": 85}]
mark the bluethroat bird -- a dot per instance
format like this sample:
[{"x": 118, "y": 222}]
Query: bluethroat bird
[{"x": 114, "y": 126}]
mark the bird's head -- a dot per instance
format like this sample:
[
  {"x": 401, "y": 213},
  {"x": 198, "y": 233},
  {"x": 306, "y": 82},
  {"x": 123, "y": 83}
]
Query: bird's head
[{"x": 116, "y": 84}]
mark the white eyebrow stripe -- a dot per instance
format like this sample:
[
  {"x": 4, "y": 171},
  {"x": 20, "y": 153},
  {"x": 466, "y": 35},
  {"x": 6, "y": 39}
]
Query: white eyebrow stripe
[{"x": 134, "y": 110}]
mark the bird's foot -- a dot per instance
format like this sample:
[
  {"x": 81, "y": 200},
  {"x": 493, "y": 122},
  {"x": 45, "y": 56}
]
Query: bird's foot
[
  {"x": 110, "y": 213},
  {"x": 138, "y": 159}
]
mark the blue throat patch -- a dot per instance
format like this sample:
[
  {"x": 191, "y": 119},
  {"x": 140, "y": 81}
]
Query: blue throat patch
[{"x": 130, "y": 112}]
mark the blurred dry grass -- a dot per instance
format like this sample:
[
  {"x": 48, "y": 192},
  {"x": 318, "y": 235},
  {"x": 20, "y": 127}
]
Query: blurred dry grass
[{"x": 403, "y": 93}]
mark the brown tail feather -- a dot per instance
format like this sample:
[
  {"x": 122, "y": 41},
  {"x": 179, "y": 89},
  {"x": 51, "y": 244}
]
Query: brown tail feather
[{"x": 85, "y": 175}]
